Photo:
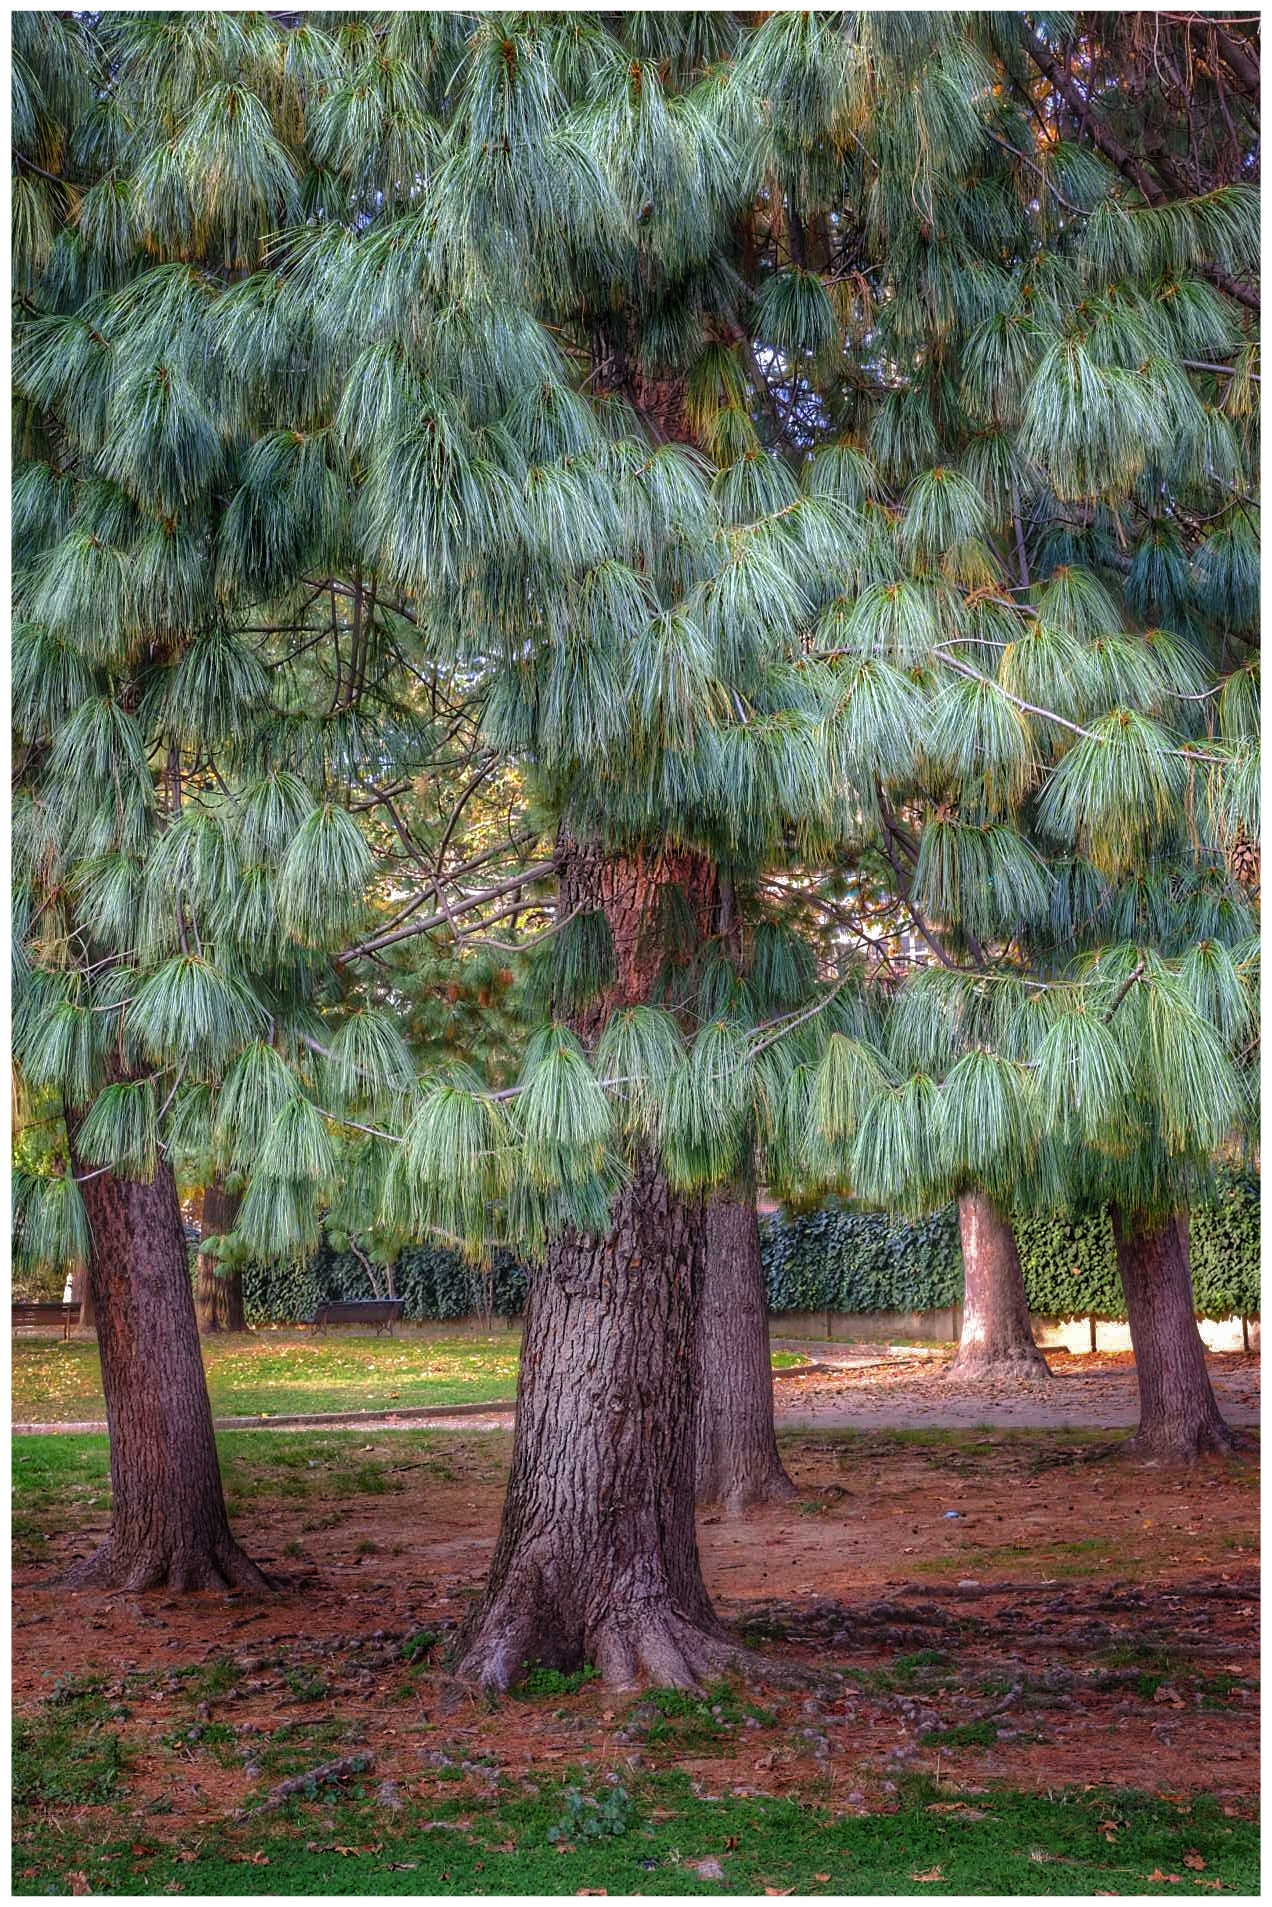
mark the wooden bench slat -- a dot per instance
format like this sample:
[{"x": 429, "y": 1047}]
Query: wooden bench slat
[
  {"x": 38, "y": 1313},
  {"x": 382, "y": 1312}
]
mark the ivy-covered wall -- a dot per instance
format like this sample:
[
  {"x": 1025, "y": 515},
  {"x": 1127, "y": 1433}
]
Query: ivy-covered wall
[
  {"x": 838, "y": 1259},
  {"x": 433, "y": 1282},
  {"x": 833, "y": 1259}
]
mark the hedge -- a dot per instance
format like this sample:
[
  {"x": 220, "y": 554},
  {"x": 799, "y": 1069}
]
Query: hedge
[
  {"x": 838, "y": 1259},
  {"x": 833, "y": 1259},
  {"x": 434, "y": 1282}
]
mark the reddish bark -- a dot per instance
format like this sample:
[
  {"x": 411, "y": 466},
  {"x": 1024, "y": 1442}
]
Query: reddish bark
[
  {"x": 737, "y": 1459},
  {"x": 1179, "y": 1418},
  {"x": 997, "y": 1338},
  {"x": 597, "y": 1557},
  {"x": 218, "y": 1301},
  {"x": 168, "y": 1521}
]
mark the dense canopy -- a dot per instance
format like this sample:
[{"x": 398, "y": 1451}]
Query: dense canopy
[{"x": 826, "y": 443}]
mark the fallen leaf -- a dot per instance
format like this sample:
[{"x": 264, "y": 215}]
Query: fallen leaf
[
  {"x": 821, "y": 1877},
  {"x": 775, "y": 1891},
  {"x": 1193, "y": 1859},
  {"x": 730, "y": 1843},
  {"x": 591, "y": 1890},
  {"x": 79, "y": 1882},
  {"x": 931, "y": 1874}
]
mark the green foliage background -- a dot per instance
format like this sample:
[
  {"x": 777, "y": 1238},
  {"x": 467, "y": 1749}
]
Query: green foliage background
[
  {"x": 838, "y": 1259},
  {"x": 832, "y": 1259}
]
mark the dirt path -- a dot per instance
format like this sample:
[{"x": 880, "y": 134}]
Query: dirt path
[
  {"x": 858, "y": 1387},
  {"x": 1090, "y": 1391}
]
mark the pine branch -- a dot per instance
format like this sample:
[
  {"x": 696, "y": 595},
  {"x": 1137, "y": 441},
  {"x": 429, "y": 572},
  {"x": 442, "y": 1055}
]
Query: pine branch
[
  {"x": 538, "y": 873},
  {"x": 1128, "y": 164}
]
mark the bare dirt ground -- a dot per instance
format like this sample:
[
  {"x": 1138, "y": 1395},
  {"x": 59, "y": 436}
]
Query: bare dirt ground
[
  {"x": 1097, "y": 1389},
  {"x": 1003, "y": 1607}
]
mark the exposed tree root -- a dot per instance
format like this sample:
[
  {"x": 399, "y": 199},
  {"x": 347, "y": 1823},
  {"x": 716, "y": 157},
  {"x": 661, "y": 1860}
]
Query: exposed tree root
[
  {"x": 1027, "y": 1365},
  {"x": 1160, "y": 1445},
  {"x": 657, "y": 1648},
  {"x": 225, "y": 1567},
  {"x": 752, "y": 1493}
]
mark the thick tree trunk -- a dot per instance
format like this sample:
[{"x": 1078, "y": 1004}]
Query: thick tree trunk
[
  {"x": 737, "y": 1460},
  {"x": 1179, "y": 1418},
  {"x": 597, "y": 1557},
  {"x": 168, "y": 1521},
  {"x": 218, "y": 1302},
  {"x": 997, "y": 1339}
]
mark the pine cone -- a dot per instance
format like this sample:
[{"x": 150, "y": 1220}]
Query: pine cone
[{"x": 1243, "y": 859}]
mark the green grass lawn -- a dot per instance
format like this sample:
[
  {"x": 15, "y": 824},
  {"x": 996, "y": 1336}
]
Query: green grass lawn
[
  {"x": 657, "y": 1837},
  {"x": 272, "y": 1375},
  {"x": 59, "y": 1482}
]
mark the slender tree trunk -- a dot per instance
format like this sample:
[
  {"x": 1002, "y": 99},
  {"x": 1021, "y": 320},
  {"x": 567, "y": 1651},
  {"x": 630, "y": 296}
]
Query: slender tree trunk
[
  {"x": 1179, "y": 1418},
  {"x": 82, "y": 1296},
  {"x": 737, "y": 1460},
  {"x": 168, "y": 1521},
  {"x": 997, "y": 1339},
  {"x": 597, "y": 1557},
  {"x": 218, "y": 1301}
]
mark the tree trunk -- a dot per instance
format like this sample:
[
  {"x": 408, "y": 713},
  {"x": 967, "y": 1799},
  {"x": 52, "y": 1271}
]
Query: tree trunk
[
  {"x": 218, "y": 1301},
  {"x": 597, "y": 1556},
  {"x": 168, "y": 1521},
  {"x": 737, "y": 1460},
  {"x": 997, "y": 1339},
  {"x": 1179, "y": 1418},
  {"x": 83, "y": 1297}
]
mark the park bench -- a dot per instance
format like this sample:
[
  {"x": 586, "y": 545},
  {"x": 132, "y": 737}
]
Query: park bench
[
  {"x": 26, "y": 1316},
  {"x": 383, "y": 1313}
]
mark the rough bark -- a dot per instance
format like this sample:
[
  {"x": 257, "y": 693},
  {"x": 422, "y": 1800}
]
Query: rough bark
[
  {"x": 168, "y": 1521},
  {"x": 997, "y": 1338},
  {"x": 1179, "y": 1418},
  {"x": 597, "y": 1556},
  {"x": 218, "y": 1302},
  {"x": 737, "y": 1460}
]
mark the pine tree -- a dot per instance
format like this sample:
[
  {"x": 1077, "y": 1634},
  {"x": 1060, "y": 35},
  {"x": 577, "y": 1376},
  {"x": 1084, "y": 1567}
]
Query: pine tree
[
  {"x": 211, "y": 699},
  {"x": 1073, "y": 613},
  {"x": 349, "y": 392}
]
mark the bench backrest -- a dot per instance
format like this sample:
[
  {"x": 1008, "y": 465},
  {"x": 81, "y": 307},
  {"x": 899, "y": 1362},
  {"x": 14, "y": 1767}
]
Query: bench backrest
[{"x": 360, "y": 1310}]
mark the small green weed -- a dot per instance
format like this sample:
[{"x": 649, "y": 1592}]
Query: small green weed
[
  {"x": 540, "y": 1681},
  {"x": 305, "y": 1687},
  {"x": 419, "y": 1645},
  {"x": 591, "y": 1817},
  {"x": 964, "y": 1735}
]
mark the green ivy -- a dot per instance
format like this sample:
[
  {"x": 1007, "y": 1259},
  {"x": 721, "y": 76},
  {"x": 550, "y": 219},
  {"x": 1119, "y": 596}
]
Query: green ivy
[
  {"x": 833, "y": 1259},
  {"x": 432, "y": 1281},
  {"x": 839, "y": 1259}
]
